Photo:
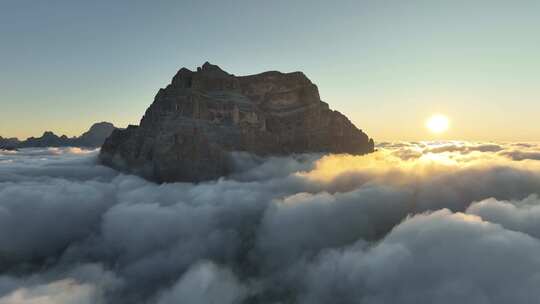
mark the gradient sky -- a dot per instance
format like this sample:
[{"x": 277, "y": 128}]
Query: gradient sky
[{"x": 387, "y": 65}]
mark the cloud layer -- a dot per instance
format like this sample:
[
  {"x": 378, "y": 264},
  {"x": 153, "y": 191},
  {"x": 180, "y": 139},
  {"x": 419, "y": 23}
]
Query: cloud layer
[{"x": 447, "y": 222}]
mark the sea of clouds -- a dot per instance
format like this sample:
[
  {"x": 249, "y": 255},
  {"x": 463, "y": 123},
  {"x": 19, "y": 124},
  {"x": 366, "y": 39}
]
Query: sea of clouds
[{"x": 424, "y": 222}]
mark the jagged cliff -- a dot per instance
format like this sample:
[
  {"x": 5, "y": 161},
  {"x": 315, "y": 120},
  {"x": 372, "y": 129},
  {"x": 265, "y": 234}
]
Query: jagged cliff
[{"x": 193, "y": 124}]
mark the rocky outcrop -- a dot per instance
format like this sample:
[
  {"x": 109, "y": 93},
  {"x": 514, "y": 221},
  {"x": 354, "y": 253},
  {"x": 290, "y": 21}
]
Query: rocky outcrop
[
  {"x": 193, "y": 124},
  {"x": 93, "y": 138}
]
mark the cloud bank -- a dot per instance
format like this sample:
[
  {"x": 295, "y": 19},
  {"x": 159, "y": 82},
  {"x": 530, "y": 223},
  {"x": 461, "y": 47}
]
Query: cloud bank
[{"x": 437, "y": 222}]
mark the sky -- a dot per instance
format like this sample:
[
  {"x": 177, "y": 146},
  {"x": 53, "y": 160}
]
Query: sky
[{"x": 387, "y": 65}]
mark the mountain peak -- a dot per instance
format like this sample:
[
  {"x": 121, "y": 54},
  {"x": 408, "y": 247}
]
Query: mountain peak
[
  {"x": 189, "y": 131},
  {"x": 211, "y": 69},
  {"x": 92, "y": 138}
]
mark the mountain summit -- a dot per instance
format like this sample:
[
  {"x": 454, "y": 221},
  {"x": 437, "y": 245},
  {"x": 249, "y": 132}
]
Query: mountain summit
[{"x": 201, "y": 116}]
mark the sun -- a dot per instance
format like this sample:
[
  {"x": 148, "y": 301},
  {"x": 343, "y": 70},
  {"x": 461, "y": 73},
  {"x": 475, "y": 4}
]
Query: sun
[{"x": 437, "y": 123}]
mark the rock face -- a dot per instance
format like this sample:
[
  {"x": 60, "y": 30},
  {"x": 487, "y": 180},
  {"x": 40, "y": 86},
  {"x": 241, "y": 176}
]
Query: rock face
[
  {"x": 93, "y": 138},
  {"x": 193, "y": 124}
]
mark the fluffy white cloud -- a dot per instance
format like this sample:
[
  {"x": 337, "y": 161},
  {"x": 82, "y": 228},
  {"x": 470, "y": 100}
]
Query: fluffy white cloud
[
  {"x": 522, "y": 215},
  {"x": 83, "y": 284},
  {"x": 205, "y": 283},
  {"x": 306, "y": 228},
  {"x": 431, "y": 258},
  {"x": 59, "y": 292}
]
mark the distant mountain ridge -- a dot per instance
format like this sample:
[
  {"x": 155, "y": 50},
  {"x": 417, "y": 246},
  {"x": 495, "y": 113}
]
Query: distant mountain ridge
[{"x": 92, "y": 138}]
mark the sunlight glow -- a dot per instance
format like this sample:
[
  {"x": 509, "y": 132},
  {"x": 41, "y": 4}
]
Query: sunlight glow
[{"x": 437, "y": 123}]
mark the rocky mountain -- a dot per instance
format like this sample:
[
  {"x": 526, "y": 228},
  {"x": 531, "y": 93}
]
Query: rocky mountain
[
  {"x": 201, "y": 116},
  {"x": 93, "y": 138},
  {"x": 48, "y": 139},
  {"x": 96, "y": 135},
  {"x": 9, "y": 143}
]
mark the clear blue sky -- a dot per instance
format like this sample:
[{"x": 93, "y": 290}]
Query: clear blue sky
[{"x": 387, "y": 65}]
